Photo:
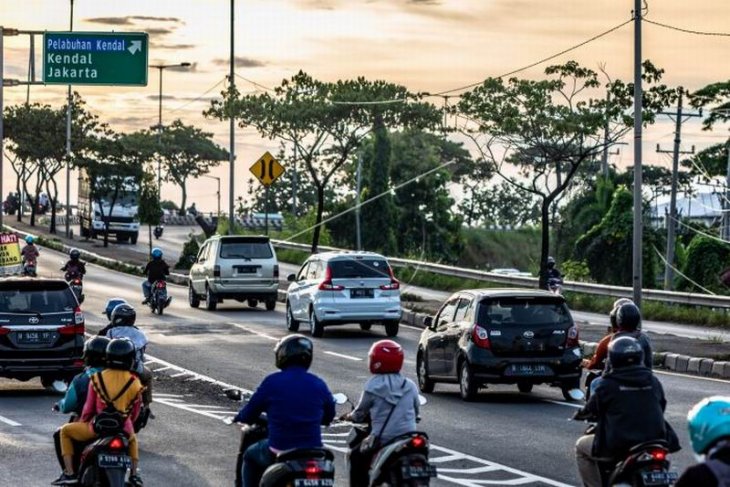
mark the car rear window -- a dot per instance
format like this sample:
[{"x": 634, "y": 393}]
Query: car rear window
[
  {"x": 523, "y": 311},
  {"x": 359, "y": 268},
  {"x": 245, "y": 249},
  {"x": 36, "y": 301}
]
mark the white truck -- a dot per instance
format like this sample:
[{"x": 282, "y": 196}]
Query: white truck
[{"x": 123, "y": 217}]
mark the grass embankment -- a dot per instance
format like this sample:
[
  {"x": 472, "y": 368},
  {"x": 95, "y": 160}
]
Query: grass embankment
[{"x": 490, "y": 249}]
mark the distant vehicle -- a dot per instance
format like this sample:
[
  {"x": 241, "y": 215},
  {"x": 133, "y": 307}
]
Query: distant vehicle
[
  {"x": 235, "y": 267},
  {"x": 336, "y": 288},
  {"x": 124, "y": 219},
  {"x": 41, "y": 330},
  {"x": 500, "y": 336},
  {"x": 511, "y": 272}
]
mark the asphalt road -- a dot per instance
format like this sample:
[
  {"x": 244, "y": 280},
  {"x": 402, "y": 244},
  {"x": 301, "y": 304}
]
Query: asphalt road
[{"x": 505, "y": 436}]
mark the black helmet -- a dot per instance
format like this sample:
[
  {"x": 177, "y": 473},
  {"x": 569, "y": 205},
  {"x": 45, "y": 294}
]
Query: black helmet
[
  {"x": 95, "y": 351},
  {"x": 551, "y": 262},
  {"x": 628, "y": 317},
  {"x": 294, "y": 350},
  {"x": 123, "y": 315},
  {"x": 120, "y": 354},
  {"x": 74, "y": 254},
  {"x": 616, "y": 305},
  {"x": 624, "y": 352}
]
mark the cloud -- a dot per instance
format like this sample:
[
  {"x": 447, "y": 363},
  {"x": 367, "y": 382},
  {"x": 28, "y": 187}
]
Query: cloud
[
  {"x": 136, "y": 20},
  {"x": 109, "y": 20},
  {"x": 158, "y": 31},
  {"x": 164, "y": 97},
  {"x": 240, "y": 62},
  {"x": 157, "y": 19},
  {"x": 159, "y": 45},
  {"x": 425, "y": 2}
]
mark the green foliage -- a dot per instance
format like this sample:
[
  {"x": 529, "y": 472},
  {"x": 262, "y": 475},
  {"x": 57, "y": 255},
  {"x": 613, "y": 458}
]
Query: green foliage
[
  {"x": 150, "y": 211},
  {"x": 500, "y": 204},
  {"x": 379, "y": 217},
  {"x": 169, "y": 205},
  {"x": 716, "y": 95},
  {"x": 582, "y": 213},
  {"x": 575, "y": 270},
  {"x": 189, "y": 252},
  {"x": 607, "y": 247},
  {"x": 706, "y": 259}
]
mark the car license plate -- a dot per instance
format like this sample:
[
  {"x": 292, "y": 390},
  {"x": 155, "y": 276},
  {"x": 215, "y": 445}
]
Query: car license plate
[
  {"x": 361, "y": 293},
  {"x": 418, "y": 471},
  {"x": 314, "y": 482},
  {"x": 246, "y": 269},
  {"x": 528, "y": 369},
  {"x": 114, "y": 461},
  {"x": 35, "y": 337},
  {"x": 659, "y": 478}
]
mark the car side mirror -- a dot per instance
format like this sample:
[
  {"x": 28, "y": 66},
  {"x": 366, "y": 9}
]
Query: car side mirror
[
  {"x": 192, "y": 259},
  {"x": 291, "y": 277},
  {"x": 340, "y": 398},
  {"x": 428, "y": 322}
]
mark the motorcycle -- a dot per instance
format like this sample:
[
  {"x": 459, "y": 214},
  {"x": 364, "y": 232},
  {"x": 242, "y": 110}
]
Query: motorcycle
[
  {"x": 10, "y": 207},
  {"x": 310, "y": 467},
  {"x": 555, "y": 286},
  {"x": 75, "y": 281},
  {"x": 158, "y": 231},
  {"x": 159, "y": 300},
  {"x": 29, "y": 268},
  {"x": 401, "y": 461},
  {"x": 106, "y": 461},
  {"x": 645, "y": 465}
]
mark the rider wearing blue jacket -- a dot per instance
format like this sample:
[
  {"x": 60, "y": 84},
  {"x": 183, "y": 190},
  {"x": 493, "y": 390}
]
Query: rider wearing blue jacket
[{"x": 296, "y": 403}]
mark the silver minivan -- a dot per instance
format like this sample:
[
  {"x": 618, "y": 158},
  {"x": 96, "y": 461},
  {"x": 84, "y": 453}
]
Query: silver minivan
[
  {"x": 336, "y": 288},
  {"x": 237, "y": 267}
]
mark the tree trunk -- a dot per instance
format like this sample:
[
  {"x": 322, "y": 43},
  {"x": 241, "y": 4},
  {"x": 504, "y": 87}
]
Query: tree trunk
[
  {"x": 19, "y": 192},
  {"x": 184, "y": 199},
  {"x": 318, "y": 221},
  {"x": 149, "y": 232},
  {"x": 545, "y": 244}
]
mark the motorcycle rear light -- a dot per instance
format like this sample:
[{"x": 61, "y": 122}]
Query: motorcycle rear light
[
  {"x": 217, "y": 271},
  {"x": 480, "y": 336},
  {"x": 659, "y": 455},
  {"x": 77, "y": 282},
  {"x": 4, "y": 331},
  {"x": 327, "y": 285},
  {"x": 116, "y": 443},
  {"x": 161, "y": 285},
  {"x": 312, "y": 470},
  {"x": 72, "y": 330},
  {"x": 78, "y": 363},
  {"x": 418, "y": 442},
  {"x": 572, "y": 337},
  {"x": 394, "y": 284}
]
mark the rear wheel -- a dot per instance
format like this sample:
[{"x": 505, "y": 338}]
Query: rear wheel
[
  {"x": 291, "y": 323},
  {"x": 193, "y": 298},
  {"x": 253, "y": 303},
  {"x": 524, "y": 387},
  {"x": 316, "y": 327},
  {"x": 391, "y": 328},
  {"x": 270, "y": 305},
  {"x": 467, "y": 386},
  {"x": 425, "y": 384},
  {"x": 211, "y": 300},
  {"x": 134, "y": 239},
  {"x": 366, "y": 326}
]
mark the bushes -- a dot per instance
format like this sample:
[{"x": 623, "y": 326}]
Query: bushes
[
  {"x": 189, "y": 253},
  {"x": 705, "y": 259}
]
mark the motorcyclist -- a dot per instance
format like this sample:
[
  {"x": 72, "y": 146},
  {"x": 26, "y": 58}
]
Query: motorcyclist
[
  {"x": 122, "y": 325},
  {"x": 389, "y": 401},
  {"x": 296, "y": 403},
  {"x": 598, "y": 361},
  {"x": 628, "y": 406},
  {"x": 30, "y": 251},
  {"x": 73, "y": 402},
  {"x": 74, "y": 267},
  {"x": 117, "y": 380},
  {"x": 709, "y": 430},
  {"x": 628, "y": 321},
  {"x": 112, "y": 303},
  {"x": 155, "y": 270},
  {"x": 552, "y": 271}
]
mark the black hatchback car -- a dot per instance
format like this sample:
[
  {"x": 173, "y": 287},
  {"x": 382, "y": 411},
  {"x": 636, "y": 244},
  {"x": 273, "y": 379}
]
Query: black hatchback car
[
  {"x": 41, "y": 330},
  {"x": 500, "y": 336}
]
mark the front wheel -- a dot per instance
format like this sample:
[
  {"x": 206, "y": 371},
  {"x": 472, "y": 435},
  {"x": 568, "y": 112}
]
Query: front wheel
[
  {"x": 425, "y": 384},
  {"x": 467, "y": 386},
  {"x": 134, "y": 239},
  {"x": 316, "y": 327},
  {"x": 193, "y": 298},
  {"x": 291, "y": 323}
]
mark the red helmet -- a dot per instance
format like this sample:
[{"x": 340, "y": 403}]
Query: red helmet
[{"x": 385, "y": 357}]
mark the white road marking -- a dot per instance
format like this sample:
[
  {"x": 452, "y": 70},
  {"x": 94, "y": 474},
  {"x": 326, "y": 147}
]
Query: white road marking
[
  {"x": 185, "y": 407},
  {"x": 348, "y": 357},
  {"x": 251, "y": 330},
  {"x": 9, "y": 422},
  {"x": 687, "y": 376},
  {"x": 564, "y": 403}
]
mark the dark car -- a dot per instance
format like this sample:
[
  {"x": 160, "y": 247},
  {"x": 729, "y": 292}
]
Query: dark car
[
  {"x": 41, "y": 330},
  {"x": 500, "y": 336}
]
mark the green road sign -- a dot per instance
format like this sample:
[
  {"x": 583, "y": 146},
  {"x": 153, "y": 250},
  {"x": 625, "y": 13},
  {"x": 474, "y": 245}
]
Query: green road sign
[{"x": 95, "y": 58}]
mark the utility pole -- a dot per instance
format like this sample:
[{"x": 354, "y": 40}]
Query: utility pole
[
  {"x": 232, "y": 133},
  {"x": 294, "y": 183},
  {"x": 358, "y": 182},
  {"x": 68, "y": 144},
  {"x": 725, "y": 205},
  {"x": 638, "y": 121},
  {"x": 672, "y": 217},
  {"x": 2, "y": 85},
  {"x": 604, "y": 158}
]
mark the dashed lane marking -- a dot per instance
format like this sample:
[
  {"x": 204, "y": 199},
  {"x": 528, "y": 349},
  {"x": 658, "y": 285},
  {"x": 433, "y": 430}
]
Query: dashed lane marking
[
  {"x": 9, "y": 422},
  {"x": 687, "y": 376},
  {"x": 251, "y": 330},
  {"x": 348, "y": 357}
]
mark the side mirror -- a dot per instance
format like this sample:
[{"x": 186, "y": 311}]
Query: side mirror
[
  {"x": 233, "y": 394},
  {"x": 428, "y": 322},
  {"x": 291, "y": 277},
  {"x": 340, "y": 398},
  {"x": 422, "y": 400},
  {"x": 192, "y": 259}
]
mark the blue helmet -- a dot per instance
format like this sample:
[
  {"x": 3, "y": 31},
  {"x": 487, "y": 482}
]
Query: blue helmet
[
  {"x": 111, "y": 304},
  {"x": 708, "y": 421},
  {"x": 29, "y": 239},
  {"x": 156, "y": 253}
]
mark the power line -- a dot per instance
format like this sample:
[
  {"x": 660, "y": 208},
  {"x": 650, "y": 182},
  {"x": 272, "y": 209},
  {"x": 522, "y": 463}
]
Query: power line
[
  {"x": 687, "y": 31},
  {"x": 680, "y": 272},
  {"x": 259, "y": 85}
]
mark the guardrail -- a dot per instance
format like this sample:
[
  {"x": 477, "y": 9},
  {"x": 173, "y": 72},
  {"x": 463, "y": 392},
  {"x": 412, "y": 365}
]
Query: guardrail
[{"x": 695, "y": 299}]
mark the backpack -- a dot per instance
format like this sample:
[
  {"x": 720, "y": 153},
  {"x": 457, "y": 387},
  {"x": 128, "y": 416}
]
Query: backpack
[
  {"x": 720, "y": 470},
  {"x": 110, "y": 420}
]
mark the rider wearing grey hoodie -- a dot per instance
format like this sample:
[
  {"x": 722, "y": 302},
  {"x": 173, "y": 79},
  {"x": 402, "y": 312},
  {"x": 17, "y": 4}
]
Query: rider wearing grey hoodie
[{"x": 389, "y": 402}]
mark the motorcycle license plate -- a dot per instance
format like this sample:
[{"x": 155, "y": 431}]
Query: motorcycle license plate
[
  {"x": 528, "y": 369},
  {"x": 114, "y": 461},
  {"x": 314, "y": 483},
  {"x": 418, "y": 471},
  {"x": 659, "y": 478}
]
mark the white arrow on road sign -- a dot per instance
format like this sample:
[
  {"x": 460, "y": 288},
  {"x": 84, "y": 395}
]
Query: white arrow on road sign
[{"x": 136, "y": 46}]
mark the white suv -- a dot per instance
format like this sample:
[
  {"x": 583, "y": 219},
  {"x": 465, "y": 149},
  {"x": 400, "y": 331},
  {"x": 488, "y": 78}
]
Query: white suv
[{"x": 336, "y": 288}]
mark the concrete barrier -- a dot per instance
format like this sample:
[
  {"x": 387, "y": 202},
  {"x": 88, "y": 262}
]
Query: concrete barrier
[{"x": 693, "y": 367}]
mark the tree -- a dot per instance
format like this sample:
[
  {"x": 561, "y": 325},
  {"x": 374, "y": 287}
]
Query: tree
[
  {"x": 707, "y": 257},
  {"x": 186, "y": 152},
  {"x": 150, "y": 211},
  {"x": 324, "y": 122},
  {"x": 536, "y": 135}
]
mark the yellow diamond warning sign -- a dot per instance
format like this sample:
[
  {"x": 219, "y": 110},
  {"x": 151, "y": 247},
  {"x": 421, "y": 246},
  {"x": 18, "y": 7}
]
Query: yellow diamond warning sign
[{"x": 267, "y": 169}]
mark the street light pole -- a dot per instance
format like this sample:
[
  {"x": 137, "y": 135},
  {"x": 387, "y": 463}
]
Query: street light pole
[
  {"x": 232, "y": 133},
  {"x": 638, "y": 121},
  {"x": 68, "y": 145},
  {"x": 218, "y": 193}
]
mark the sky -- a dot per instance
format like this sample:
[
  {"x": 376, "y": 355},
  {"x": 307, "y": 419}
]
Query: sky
[{"x": 425, "y": 45}]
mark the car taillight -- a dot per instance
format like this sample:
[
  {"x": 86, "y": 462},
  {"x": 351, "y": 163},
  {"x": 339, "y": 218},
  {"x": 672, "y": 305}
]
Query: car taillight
[
  {"x": 418, "y": 442},
  {"x": 78, "y": 363},
  {"x": 276, "y": 271},
  {"x": 480, "y": 337},
  {"x": 116, "y": 443},
  {"x": 79, "y": 317},
  {"x": 72, "y": 330},
  {"x": 658, "y": 455},
  {"x": 394, "y": 284},
  {"x": 572, "y": 340},
  {"x": 4, "y": 331},
  {"x": 312, "y": 470},
  {"x": 327, "y": 285},
  {"x": 217, "y": 271}
]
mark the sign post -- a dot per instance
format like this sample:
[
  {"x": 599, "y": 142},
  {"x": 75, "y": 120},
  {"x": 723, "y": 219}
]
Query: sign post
[
  {"x": 267, "y": 170},
  {"x": 95, "y": 58}
]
